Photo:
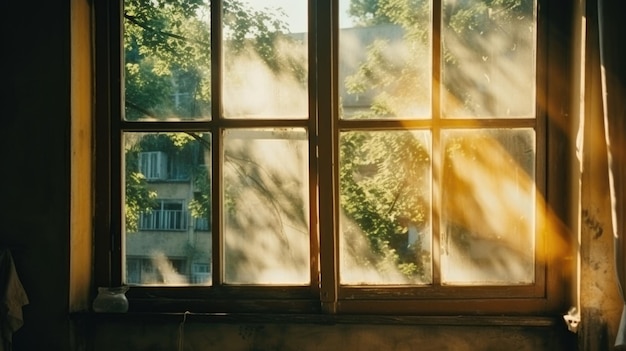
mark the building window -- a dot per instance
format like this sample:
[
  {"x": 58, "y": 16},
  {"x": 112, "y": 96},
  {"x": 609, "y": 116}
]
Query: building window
[
  {"x": 155, "y": 270},
  {"x": 391, "y": 159},
  {"x": 156, "y": 165},
  {"x": 153, "y": 165},
  {"x": 201, "y": 224},
  {"x": 201, "y": 273}
]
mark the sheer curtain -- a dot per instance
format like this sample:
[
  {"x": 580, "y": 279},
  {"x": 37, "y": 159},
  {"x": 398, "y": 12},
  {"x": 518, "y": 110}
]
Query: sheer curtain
[{"x": 612, "y": 30}]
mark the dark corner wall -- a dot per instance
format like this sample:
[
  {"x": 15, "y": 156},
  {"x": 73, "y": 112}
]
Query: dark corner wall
[{"x": 35, "y": 149}]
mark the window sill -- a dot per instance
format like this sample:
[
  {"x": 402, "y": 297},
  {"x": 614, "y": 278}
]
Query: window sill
[{"x": 323, "y": 319}]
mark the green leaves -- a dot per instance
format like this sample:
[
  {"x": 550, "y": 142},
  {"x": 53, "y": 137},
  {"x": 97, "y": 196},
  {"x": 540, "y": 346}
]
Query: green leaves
[
  {"x": 167, "y": 47},
  {"x": 384, "y": 188},
  {"x": 138, "y": 199}
]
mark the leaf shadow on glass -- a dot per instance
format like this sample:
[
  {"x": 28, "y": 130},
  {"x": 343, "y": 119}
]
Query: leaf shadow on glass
[
  {"x": 167, "y": 68},
  {"x": 489, "y": 58},
  {"x": 266, "y": 230}
]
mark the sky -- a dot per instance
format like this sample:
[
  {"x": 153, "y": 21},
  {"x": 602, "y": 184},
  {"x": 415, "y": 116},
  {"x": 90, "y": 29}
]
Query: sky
[{"x": 296, "y": 11}]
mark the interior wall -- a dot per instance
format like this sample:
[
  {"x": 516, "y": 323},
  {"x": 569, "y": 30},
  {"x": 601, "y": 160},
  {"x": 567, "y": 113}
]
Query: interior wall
[
  {"x": 600, "y": 301},
  {"x": 81, "y": 148},
  {"x": 36, "y": 192},
  {"x": 308, "y": 337}
]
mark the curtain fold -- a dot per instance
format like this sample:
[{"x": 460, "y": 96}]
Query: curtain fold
[{"x": 612, "y": 32}]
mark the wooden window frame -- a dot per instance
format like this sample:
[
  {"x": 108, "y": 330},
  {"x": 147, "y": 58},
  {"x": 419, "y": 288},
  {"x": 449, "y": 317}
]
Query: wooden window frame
[{"x": 325, "y": 295}]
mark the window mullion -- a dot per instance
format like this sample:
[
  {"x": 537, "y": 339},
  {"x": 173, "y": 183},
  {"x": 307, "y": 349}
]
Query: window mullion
[
  {"x": 108, "y": 44},
  {"x": 437, "y": 153},
  {"x": 116, "y": 114},
  {"x": 327, "y": 150},
  {"x": 313, "y": 135},
  {"x": 216, "y": 143}
]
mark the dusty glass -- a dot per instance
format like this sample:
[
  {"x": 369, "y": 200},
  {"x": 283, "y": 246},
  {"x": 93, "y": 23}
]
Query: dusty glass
[
  {"x": 265, "y": 65},
  {"x": 266, "y": 206},
  {"x": 488, "y": 59},
  {"x": 385, "y": 66},
  {"x": 488, "y": 199}
]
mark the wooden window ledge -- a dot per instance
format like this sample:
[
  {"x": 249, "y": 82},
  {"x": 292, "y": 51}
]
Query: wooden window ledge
[{"x": 324, "y": 319}]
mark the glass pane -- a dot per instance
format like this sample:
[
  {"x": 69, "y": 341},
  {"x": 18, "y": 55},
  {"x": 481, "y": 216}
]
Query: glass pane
[
  {"x": 488, "y": 198},
  {"x": 385, "y": 199},
  {"x": 167, "y": 208},
  {"x": 167, "y": 60},
  {"x": 385, "y": 59},
  {"x": 488, "y": 62},
  {"x": 266, "y": 206},
  {"x": 265, "y": 59}
]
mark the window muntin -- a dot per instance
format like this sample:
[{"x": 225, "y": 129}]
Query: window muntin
[{"x": 430, "y": 122}]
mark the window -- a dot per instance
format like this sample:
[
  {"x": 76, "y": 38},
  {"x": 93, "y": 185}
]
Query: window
[
  {"x": 153, "y": 165},
  {"x": 201, "y": 224},
  {"x": 392, "y": 159},
  {"x": 156, "y": 165},
  {"x": 201, "y": 273},
  {"x": 155, "y": 270}
]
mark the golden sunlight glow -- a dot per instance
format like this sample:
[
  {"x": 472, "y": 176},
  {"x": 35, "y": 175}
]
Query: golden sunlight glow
[
  {"x": 488, "y": 208},
  {"x": 269, "y": 92},
  {"x": 451, "y": 197}
]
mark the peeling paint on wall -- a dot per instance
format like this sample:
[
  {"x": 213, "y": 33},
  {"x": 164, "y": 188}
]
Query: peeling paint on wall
[{"x": 590, "y": 221}]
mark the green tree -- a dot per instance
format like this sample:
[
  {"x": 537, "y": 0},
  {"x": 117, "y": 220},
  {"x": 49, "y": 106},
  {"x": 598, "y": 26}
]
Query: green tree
[
  {"x": 184, "y": 149},
  {"x": 474, "y": 34},
  {"x": 167, "y": 47},
  {"x": 167, "y": 72}
]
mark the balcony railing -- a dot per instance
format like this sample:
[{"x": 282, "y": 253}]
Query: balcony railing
[{"x": 163, "y": 220}]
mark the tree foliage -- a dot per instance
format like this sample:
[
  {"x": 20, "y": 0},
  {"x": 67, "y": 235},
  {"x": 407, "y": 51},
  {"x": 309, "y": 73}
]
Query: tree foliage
[
  {"x": 472, "y": 34},
  {"x": 397, "y": 162},
  {"x": 167, "y": 72},
  {"x": 184, "y": 149},
  {"x": 384, "y": 179},
  {"x": 167, "y": 46}
]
